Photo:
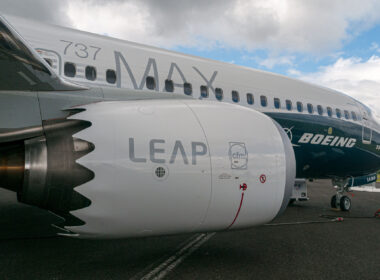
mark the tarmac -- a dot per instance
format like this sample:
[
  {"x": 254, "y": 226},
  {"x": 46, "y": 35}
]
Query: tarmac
[{"x": 301, "y": 244}]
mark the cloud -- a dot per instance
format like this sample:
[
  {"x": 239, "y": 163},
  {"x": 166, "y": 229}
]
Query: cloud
[
  {"x": 375, "y": 47},
  {"x": 294, "y": 72},
  {"x": 354, "y": 76},
  {"x": 127, "y": 20},
  {"x": 51, "y": 11},
  {"x": 301, "y": 26},
  {"x": 273, "y": 61},
  {"x": 163, "y": 23},
  {"x": 316, "y": 27}
]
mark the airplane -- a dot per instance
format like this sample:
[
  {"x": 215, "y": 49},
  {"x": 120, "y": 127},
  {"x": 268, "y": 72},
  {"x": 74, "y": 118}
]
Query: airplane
[
  {"x": 118, "y": 163},
  {"x": 333, "y": 135},
  {"x": 178, "y": 130}
]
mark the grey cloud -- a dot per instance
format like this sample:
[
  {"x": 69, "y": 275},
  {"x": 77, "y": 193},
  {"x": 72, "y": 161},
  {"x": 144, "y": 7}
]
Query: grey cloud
[
  {"x": 294, "y": 25},
  {"x": 171, "y": 17},
  {"x": 51, "y": 11},
  {"x": 316, "y": 27},
  {"x": 213, "y": 19}
]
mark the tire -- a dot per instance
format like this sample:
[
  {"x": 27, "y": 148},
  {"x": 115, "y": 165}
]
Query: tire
[
  {"x": 345, "y": 203},
  {"x": 333, "y": 201}
]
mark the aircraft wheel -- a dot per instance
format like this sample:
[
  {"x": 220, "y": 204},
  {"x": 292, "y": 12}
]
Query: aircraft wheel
[
  {"x": 345, "y": 203},
  {"x": 291, "y": 201},
  {"x": 333, "y": 202}
]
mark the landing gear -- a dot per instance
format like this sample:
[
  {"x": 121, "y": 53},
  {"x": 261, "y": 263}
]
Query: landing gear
[
  {"x": 339, "y": 200},
  {"x": 345, "y": 203}
]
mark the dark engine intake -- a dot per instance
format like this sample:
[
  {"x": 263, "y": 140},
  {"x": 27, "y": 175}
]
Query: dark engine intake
[{"x": 43, "y": 171}]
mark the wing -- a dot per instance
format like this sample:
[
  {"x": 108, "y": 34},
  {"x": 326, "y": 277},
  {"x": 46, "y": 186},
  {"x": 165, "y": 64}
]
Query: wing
[{"x": 22, "y": 69}]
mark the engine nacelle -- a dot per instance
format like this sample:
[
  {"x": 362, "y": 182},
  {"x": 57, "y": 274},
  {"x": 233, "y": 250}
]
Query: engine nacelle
[
  {"x": 140, "y": 168},
  {"x": 165, "y": 167}
]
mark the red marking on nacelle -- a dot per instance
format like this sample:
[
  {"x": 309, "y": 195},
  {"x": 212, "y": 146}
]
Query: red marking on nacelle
[
  {"x": 237, "y": 214},
  {"x": 263, "y": 178},
  {"x": 243, "y": 187}
]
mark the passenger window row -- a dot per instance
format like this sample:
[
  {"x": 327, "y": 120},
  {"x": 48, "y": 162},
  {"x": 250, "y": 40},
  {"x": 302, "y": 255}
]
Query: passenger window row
[
  {"x": 299, "y": 106},
  {"x": 111, "y": 77},
  {"x": 310, "y": 109},
  {"x": 70, "y": 70}
]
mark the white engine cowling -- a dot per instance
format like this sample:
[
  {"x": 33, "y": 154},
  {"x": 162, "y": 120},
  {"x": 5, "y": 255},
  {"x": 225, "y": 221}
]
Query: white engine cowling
[{"x": 166, "y": 167}]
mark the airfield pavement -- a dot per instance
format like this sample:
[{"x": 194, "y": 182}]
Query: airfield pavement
[{"x": 298, "y": 245}]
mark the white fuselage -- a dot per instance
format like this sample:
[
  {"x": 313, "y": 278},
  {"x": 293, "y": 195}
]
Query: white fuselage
[
  {"x": 133, "y": 63},
  {"x": 329, "y": 118}
]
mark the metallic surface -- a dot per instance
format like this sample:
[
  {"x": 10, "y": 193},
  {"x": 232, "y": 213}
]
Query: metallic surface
[
  {"x": 201, "y": 190},
  {"x": 241, "y": 173},
  {"x": 129, "y": 59},
  {"x": 22, "y": 68},
  {"x": 290, "y": 167},
  {"x": 50, "y": 171},
  {"x": 12, "y": 165},
  {"x": 20, "y": 116},
  {"x": 35, "y": 171}
]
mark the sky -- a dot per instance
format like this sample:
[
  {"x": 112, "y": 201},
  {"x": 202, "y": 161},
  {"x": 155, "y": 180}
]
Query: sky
[{"x": 333, "y": 43}]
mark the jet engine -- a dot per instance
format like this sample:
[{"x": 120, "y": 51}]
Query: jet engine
[{"x": 154, "y": 167}]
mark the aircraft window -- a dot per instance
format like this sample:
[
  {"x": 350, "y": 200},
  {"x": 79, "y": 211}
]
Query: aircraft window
[
  {"x": 277, "y": 103},
  {"x": 250, "y": 99},
  {"x": 187, "y": 89},
  {"x": 338, "y": 113},
  {"x": 320, "y": 110},
  {"x": 169, "y": 85},
  {"x": 346, "y": 114},
  {"x": 235, "y": 96},
  {"x": 299, "y": 107},
  {"x": 289, "y": 105},
  {"x": 90, "y": 73},
  {"x": 263, "y": 100},
  {"x": 219, "y": 94},
  {"x": 111, "y": 76},
  {"x": 310, "y": 108},
  {"x": 150, "y": 82},
  {"x": 48, "y": 60},
  {"x": 70, "y": 69},
  {"x": 354, "y": 116},
  {"x": 204, "y": 91},
  {"x": 329, "y": 111}
]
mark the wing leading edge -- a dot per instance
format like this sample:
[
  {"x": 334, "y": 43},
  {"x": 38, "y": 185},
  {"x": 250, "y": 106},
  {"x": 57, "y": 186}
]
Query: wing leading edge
[{"x": 22, "y": 69}]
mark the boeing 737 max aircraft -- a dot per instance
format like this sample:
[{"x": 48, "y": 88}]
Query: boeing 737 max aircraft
[{"x": 122, "y": 139}]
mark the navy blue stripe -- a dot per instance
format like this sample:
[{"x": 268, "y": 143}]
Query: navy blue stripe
[{"x": 321, "y": 161}]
